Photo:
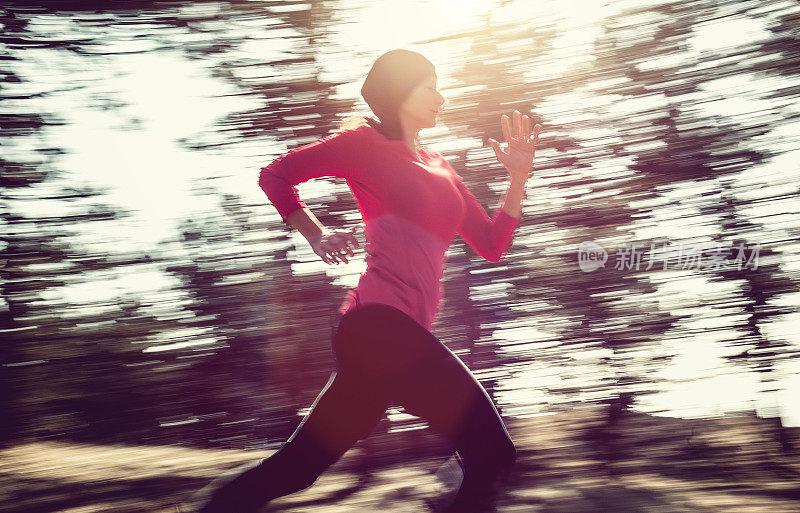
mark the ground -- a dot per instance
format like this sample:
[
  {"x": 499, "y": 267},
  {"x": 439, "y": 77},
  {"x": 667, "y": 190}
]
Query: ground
[{"x": 567, "y": 462}]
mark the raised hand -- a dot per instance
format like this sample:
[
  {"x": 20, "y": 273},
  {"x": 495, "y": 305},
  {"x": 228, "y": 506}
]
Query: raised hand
[
  {"x": 518, "y": 157},
  {"x": 332, "y": 246}
]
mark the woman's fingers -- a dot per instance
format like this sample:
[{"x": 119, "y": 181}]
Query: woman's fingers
[
  {"x": 350, "y": 240},
  {"x": 521, "y": 127},
  {"x": 495, "y": 147},
  {"x": 336, "y": 257},
  {"x": 342, "y": 249},
  {"x": 331, "y": 258},
  {"x": 505, "y": 123},
  {"x": 497, "y": 151},
  {"x": 352, "y": 237},
  {"x": 526, "y": 126},
  {"x": 336, "y": 253},
  {"x": 326, "y": 254},
  {"x": 337, "y": 246},
  {"x": 342, "y": 245}
]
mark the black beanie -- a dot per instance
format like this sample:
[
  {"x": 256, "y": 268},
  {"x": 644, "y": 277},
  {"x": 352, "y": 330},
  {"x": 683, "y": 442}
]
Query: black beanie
[{"x": 393, "y": 75}]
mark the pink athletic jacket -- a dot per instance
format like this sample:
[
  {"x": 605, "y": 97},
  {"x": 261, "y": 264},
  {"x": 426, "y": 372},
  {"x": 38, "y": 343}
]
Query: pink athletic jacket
[{"x": 411, "y": 208}]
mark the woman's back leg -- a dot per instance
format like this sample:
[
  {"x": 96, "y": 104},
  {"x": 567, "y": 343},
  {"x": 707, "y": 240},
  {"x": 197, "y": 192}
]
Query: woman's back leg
[{"x": 344, "y": 412}]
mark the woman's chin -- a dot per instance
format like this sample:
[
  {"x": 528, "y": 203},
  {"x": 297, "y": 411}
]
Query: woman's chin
[{"x": 427, "y": 123}]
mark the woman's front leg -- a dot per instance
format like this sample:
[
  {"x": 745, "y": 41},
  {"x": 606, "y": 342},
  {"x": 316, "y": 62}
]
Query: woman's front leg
[{"x": 444, "y": 392}]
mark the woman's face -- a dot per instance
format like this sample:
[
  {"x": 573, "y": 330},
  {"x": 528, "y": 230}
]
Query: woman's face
[{"x": 421, "y": 107}]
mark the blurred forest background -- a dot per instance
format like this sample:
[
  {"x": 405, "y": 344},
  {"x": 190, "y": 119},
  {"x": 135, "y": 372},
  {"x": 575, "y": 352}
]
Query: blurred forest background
[{"x": 149, "y": 294}]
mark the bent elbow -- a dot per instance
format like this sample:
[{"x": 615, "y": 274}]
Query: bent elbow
[
  {"x": 264, "y": 178},
  {"x": 493, "y": 255},
  {"x": 279, "y": 193},
  {"x": 272, "y": 182}
]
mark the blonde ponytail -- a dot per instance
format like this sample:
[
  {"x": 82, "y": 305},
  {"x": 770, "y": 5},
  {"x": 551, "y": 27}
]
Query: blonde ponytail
[{"x": 351, "y": 122}]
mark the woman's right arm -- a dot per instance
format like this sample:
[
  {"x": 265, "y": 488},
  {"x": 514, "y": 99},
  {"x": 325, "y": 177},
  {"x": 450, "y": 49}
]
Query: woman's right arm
[{"x": 336, "y": 155}]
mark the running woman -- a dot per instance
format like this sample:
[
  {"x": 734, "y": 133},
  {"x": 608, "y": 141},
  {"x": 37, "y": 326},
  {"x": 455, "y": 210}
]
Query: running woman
[{"x": 412, "y": 203}]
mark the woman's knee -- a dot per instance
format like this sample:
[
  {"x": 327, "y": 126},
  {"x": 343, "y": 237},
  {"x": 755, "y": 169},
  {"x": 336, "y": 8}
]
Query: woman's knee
[
  {"x": 490, "y": 456},
  {"x": 506, "y": 455},
  {"x": 485, "y": 437}
]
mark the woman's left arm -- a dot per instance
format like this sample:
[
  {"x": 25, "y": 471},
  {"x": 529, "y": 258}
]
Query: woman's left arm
[
  {"x": 491, "y": 237},
  {"x": 512, "y": 204}
]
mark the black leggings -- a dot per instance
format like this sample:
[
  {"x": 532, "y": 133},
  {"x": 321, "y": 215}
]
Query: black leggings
[{"x": 382, "y": 356}]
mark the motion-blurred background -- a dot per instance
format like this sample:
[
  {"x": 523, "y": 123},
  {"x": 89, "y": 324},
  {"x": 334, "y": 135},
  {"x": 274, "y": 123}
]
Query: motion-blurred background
[{"x": 151, "y": 295}]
